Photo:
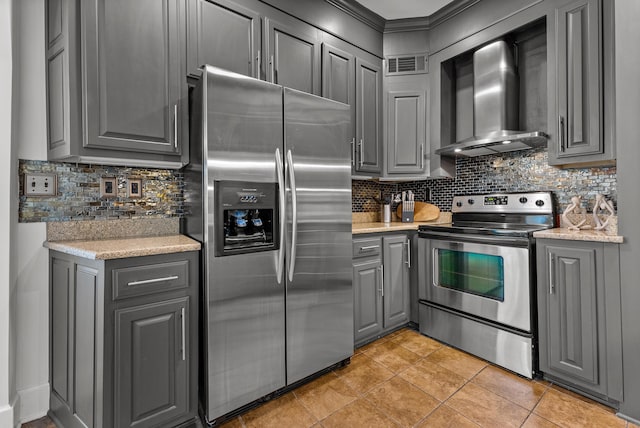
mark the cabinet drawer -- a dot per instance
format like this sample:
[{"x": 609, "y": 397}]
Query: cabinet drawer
[
  {"x": 366, "y": 247},
  {"x": 149, "y": 279}
]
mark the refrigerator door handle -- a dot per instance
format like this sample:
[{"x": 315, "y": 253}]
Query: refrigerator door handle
[
  {"x": 283, "y": 214},
  {"x": 294, "y": 215}
]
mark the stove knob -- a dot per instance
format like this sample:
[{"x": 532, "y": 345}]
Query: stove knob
[
  {"x": 523, "y": 200},
  {"x": 539, "y": 203},
  {"x": 458, "y": 204},
  {"x": 470, "y": 201}
]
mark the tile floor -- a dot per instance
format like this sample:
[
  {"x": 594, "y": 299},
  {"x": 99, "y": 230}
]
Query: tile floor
[{"x": 408, "y": 380}]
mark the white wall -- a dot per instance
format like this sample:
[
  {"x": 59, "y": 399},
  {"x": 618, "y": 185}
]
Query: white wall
[
  {"x": 7, "y": 218},
  {"x": 30, "y": 260}
]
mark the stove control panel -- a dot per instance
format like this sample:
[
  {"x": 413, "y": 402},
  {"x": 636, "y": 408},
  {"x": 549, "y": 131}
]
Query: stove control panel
[{"x": 534, "y": 202}]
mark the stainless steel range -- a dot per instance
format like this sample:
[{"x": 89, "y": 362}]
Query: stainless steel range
[{"x": 477, "y": 276}]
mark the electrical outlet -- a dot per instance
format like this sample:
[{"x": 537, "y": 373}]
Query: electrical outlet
[{"x": 40, "y": 184}]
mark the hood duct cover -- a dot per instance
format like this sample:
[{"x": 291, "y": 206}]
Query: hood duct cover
[{"x": 495, "y": 107}]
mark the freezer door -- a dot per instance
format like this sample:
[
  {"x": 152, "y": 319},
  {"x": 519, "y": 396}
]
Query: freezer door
[
  {"x": 245, "y": 322},
  {"x": 319, "y": 280}
]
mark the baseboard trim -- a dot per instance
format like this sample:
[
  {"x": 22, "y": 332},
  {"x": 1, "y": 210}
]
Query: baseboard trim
[
  {"x": 33, "y": 403},
  {"x": 7, "y": 416}
]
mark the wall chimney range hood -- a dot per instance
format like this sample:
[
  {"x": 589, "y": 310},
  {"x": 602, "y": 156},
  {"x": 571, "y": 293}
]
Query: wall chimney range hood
[{"x": 495, "y": 107}]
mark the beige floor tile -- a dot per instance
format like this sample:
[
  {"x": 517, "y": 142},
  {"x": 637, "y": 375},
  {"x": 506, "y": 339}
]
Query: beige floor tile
[
  {"x": 567, "y": 411},
  {"x": 233, "y": 423},
  {"x": 433, "y": 379},
  {"x": 632, "y": 425},
  {"x": 535, "y": 421},
  {"x": 402, "y": 401},
  {"x": 416, "y": 342},
  {"x": 486, "y": 408},
  {"x": 523, "y": 392},
  {"x": 393, "y": 356},
  {"x": 363, "y": 373},
  {"x": 457, "y": 361},
  {"x": 445, "y": 417},
  {"x": 359, "y": 414},
  {"x": 325, "y": 395},
  {"x": 285, "y": 411}
]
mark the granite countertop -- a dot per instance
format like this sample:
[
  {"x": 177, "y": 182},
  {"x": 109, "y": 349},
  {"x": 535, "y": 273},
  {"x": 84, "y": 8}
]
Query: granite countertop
[
  {"x": 106, "y": 249},
  {"x": 358, "y": 227},
  {"x": 579, "y": 235}
]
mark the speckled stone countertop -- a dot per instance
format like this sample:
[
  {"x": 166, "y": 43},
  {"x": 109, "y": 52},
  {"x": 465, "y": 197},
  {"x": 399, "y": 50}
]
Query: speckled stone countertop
[
  {"x": 107, "y": 249},
  {"x": 377, "y": 226},
  {"x": 579, "y": 235}
]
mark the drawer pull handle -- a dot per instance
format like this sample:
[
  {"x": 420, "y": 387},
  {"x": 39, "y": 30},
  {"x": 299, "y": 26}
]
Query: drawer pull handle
[
  {"x": 369, "y": 248},
  {"x": 152, "y": 281}
]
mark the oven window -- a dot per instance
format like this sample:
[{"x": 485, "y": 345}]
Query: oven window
[{"x": 475, "y": 273}]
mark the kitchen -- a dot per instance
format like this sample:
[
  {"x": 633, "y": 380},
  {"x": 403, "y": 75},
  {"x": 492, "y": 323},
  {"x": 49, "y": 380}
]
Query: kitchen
[{"x": 25, "y": 294}]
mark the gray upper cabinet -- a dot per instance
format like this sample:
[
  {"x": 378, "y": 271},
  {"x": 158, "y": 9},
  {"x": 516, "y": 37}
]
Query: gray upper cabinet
[
  {"x": 583, "y": 74},
  {"x": 224, "y": 34},
  {"x": 368, "y": 117},
  {"x": 292, "y": 54},
  {"x": 116, "y": 90},
  {"x": 406, "y": 131},
  {"x": 579, "y": 316}
]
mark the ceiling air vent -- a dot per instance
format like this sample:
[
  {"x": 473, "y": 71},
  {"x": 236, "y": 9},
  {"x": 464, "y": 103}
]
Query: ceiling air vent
[{"x": 407, "y": 64}]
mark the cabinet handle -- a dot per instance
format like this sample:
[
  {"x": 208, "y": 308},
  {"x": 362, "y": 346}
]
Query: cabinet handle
[
  {"x": 258, "y": 65},
  {"x": 175, "y": 127},
  {"x": 408, "y": 262},
  {"x": 561, "y": 133},
  {"x": 361, "y": 146},
  {"x": 151, "y": 281},
  {"x": 273, "y": 70},
  {"x": 184, "y": 339},
  {"x": 353, "y": 151},
  {"x": 421, "y": 156},
  {"x": 368, "y": 248},
  {"x": 552, "y": 269},
  {"x": 381, "y": 280}
]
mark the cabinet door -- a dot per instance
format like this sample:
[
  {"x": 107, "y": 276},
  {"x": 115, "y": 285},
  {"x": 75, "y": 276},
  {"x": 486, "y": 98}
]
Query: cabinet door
[
  {"x": 573, "y": 324},
  {"x": 368, "y": 123},
  {"x": 133, "y": 71},
  {"x": 223, "y": 34},
  {"x": 293, "y": 55},
  {"x": 579, "y": 74},
  {"x": 339, "y": 82},
  {"x": 367, "y": 289},
  {"x": 151, "y": 363},
  {"x": 396, "y": 280},
  {"x": 406, "y": 132}
]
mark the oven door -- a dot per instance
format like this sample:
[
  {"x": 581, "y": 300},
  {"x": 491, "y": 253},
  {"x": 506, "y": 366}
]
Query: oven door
[{"x": 483, "y": 276}]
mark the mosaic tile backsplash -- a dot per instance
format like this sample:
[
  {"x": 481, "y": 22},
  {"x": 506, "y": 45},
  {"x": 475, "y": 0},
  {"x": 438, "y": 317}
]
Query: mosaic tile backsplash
[
  {"x": 78, "y": 195},
  {"x": 522, "y": 171}
]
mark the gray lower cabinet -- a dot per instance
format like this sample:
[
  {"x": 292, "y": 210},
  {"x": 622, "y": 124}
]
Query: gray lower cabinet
[
  {"x": 579, "y": 316},
  {"x": 115, "y": 87},
  {"x": 583, "y": 79},
  {"x": 124, "y": 340},
  {"x": 381, "y": 285},
  {"x": 223, "y": 34}
]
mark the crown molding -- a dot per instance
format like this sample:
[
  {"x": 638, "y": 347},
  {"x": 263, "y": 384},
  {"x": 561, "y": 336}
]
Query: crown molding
[
  {"x": 429, "y": 22},
  {"x": 359, "y": 12}
]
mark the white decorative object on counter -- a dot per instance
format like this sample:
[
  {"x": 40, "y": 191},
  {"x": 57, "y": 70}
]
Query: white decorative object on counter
[
  {"x": 574, "y": 208},
  {"x": 606, "y": 207}
]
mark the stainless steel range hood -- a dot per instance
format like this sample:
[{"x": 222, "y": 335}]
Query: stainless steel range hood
[{"x": 495, "y": 107}]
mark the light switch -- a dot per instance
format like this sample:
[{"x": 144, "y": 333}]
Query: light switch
[{"x": 40, "y": 184}]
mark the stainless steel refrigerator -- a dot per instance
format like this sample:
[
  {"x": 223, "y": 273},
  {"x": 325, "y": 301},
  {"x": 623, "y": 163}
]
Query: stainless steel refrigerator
[{"x": 268, "y": 191}]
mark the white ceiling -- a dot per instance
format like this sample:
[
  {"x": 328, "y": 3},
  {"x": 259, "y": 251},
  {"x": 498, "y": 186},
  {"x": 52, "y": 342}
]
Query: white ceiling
[{"x": 398, "y": 9}]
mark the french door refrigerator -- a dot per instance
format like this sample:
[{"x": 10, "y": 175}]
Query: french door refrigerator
[{"x": 268, "y": 193}]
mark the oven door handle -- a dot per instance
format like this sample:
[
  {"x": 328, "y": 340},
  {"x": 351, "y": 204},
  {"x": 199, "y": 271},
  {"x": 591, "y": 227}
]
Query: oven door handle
[
  {"x": 434, "y": 267},
  {"x": 476, "y": 239}
]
